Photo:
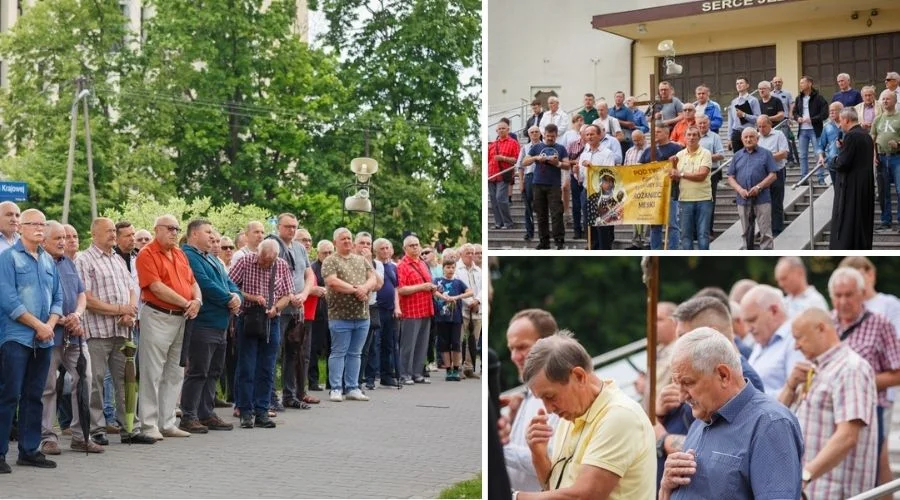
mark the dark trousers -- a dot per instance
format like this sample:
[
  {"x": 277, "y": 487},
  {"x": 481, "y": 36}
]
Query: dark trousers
[
  {"x": 883, "y": 183},
  {"x": 548, "y": 207},
  {"x": 320, "y": 346},
  {"x": 470, "y": 345},
  {"x": 602, "y": 237},
  {"x": 206, "y": 362},
  {"x": 714, "y": 181},
  {"x": 256, "y": 369},
  {"x": 370, "y": 353},
  {"x": 227, "y": 379},
  {"x": 777, "y": 190},
  {"x": 736, "y": 143},
  {"x": 23, "y": 374},
  {"x": 389, "y": 348},
  {"x": 291, "y": 357},
  {"x": 448, "y": 337},
  {"x": 577, "y": 194},
  {"x": 529, "y": 215}
]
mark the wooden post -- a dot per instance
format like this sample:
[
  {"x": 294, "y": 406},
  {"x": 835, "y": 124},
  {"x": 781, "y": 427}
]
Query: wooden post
[
  {"x": 653, "y": 102},
  {"x": 71, "y": 163},
  {"x": 90, "y": 160},
  {"x": 650, "y": 267}
]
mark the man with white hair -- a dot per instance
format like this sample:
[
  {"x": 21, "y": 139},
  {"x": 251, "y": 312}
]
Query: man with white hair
[
  {"x": 9, "y": 224},
  {"x": 416, "y": 289},
  {"x": 869, "y": 334},
  {"x": 470, "y": 274},
  {"x": 526, "y": 179},
  {"x": 267, "y": 286},
  {"x": 554, "y": 115},
  {"x": 171, "y": 295},
  {"x": 603, "y": 443},
  {"x": 349, "y": 279},
  {"x": 774, "y": 356},
  {"x": 799, "y": 295},
  {"x": 752, "y": 171},
  {"x": 892, "y": 83},
  {"x": 869, "y": 108},
  {"x": 846, "y": 95},
  {"x": 609, "y": 123},
  {"x": 141, "y": 238},
  {"x": 737, "y": 433}
]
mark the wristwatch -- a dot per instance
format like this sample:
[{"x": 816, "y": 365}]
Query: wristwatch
[
  {"x": 661, "y": 446},
  {"x": 806, "y": 476}
]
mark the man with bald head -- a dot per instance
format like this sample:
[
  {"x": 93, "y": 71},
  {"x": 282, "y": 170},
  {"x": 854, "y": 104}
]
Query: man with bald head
[
  {"x": 30, "y": 307},
  {"x": 111, "y": 314},
  {"x": 141, "y": 238},
  {"x": 525, "y": 328},
  {"x": 9, "y": 224},
  {"x": 753, "y": 169},
  {"x": 171, "y": 296},
  {"x": 799, "y": 295},
  {"x": 833, "y": 396},
  {"x": 254, "y": 233},
  {"x": 416, "y": 290},
  {"x": 774, "y": 355},
  {"x": 67, "y": 337},
  {"x": 266, "y": 284}
]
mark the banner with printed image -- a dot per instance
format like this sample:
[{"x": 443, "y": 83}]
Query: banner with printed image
[{"x": 633, "y": 194}]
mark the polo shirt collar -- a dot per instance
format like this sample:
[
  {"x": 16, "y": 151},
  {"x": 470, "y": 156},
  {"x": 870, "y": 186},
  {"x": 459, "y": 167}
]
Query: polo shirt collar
[
  {"x": 730, "y": 410},
  {"x": 781, "y": 333},
  {"x": 599, "y": 403}
]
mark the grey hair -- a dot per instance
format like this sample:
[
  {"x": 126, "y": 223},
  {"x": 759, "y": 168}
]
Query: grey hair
[
  {"x": 887, "y": 92},
  {"x": 53, "y": 225},
  {"x": 323, "y": 244},
  {"x": 360, "y": 235},
  {"x": 850, "y": 114},
  {"x": 846, "y": 273},
  {"x": 408, "y": 239},
  {"x": 339, "y": 231},
  {"x": 380, "y": 242},
  {"x": 707, "y": 349},
  {"x": 868, "y": 88},
  {"x": 735, "y": 309},
  {"x": 765, "y": 296},
  {"x": 556, "y": 356},
  {"x": 839, "y": 75},
  {"x": 270, "y": 245},
  {"x": 765, "y": 83}
]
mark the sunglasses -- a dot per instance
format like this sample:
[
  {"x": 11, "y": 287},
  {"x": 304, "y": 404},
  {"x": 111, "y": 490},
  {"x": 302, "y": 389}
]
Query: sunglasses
[
  {"x": 143, "y": 239},
  {"x": 426, "y": 252},
  {"x": 228, "y": 248},
  {"x": 171, "y": 229}
]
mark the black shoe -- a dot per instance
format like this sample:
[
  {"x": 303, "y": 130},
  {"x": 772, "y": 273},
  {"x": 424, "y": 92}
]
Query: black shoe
[
  {"x": 137, "y": 438},
  {"x": 4, "y": 467},
  {"x": 370, "y": 386},
  {"x": 247, "y": 421},
  {"x": 315, "y": 387},
  {"x": 528, "y": 237},
  {"x": 100, "y": 439},
  {"x": 560, "y": 245},
  {"x": 263, "y": 421},
  {"x": 543, "y": 246},
  {"x": 36, "y": 460},
  {"x": 497, "y": 227},
  {"x": 389, "y": 382}
]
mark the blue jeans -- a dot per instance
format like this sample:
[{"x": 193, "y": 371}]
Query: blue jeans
[
  {"x": 890, "y": 165},
  {"x": 389, "y": 354},
  {"x": 695, "y": 219},
  {"x": 656, "y": 232},
  {"x": 109, "y": 399},
  {"x": 256, "y": 370},
  {"x": 808, "y": 138},
  {"x": 347, "y": 339},
  {"x": 23, "y": 374},
  {"x": 529, "y": 216}
]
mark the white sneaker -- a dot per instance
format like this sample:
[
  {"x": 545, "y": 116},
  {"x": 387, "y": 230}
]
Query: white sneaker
[
  {"x": 335, "y": 396},
  {"x": 357, "y": 395},
  {"x": 432, "y": 367},
  {"x": 175, "y": 432}
]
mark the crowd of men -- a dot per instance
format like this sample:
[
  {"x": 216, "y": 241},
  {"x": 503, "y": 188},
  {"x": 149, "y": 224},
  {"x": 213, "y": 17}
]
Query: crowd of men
[
  {"x": 765, "y": 392},
  {"x": 210, "y": 315},
  {"x": 856, "y": 138}
]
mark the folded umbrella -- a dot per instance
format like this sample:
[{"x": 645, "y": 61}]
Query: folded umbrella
[
  {"x": 82, "y": 394},
  {"x": 129, "y": 349},
  {"x": 186, "y": 343}
]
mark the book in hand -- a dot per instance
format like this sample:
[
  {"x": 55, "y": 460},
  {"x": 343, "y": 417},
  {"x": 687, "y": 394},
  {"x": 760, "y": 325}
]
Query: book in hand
[{"x": 745, "y": 107}]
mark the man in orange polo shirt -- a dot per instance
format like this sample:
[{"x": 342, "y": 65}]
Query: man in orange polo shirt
[{"x": 171, "y": 295}]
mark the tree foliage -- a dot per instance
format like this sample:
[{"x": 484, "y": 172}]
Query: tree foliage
[{"x": 603, "y": 300}]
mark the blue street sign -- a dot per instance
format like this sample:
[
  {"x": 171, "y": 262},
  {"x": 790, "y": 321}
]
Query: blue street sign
[{"x": 13, "y": 191}]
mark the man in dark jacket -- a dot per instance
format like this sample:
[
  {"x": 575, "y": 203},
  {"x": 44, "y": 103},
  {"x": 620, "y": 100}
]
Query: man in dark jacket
[
  {"x": 853, "y": 212},
  {"x": 321, "y": 338},
  {"x": 810, "y": 111},
  {"x": 206, "y": 350}
]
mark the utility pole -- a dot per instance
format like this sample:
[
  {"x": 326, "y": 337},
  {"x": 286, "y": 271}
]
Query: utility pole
[
  {"x": 90, "y": 160},
  {"x": 80, "y": 93}
]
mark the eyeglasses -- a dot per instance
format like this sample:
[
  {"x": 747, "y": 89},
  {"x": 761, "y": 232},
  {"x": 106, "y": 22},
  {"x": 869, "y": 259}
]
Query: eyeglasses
[
  {"x": 306, "y": 240},
  {"x": 143, "y": 239},
  {"x": 171, "y": 229},
  {"x": 289, "y": 226},
  {"x": 35, "y": 224},
  {"x": 228, "y": 248},
  {"x": 426, "y": 252}
]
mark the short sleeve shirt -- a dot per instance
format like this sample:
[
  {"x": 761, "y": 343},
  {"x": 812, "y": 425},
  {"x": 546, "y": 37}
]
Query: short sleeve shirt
[
  {"x": 411, "y": 272},
  {"x": 614, "y": 435},
  {"x": 670, "y": 110},
  {"x": 173, "y": 271},
  {"x": 546, "y": 174},
  {"x": 72, "y": 287},
  {"x": 771, "y": 108},
  {"x": 749, "y": 169},
  {"x": 449, "y": 312},
  {"x": 693, "y": 163},
  {"x": 354, "y": 270}
]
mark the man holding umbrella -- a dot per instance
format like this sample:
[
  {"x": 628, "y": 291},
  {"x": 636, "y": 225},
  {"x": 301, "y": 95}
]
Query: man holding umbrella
[
  {"x": 67, "y": 339},
  {"x": 30, "y": 306},
  {"x": 111, "y": 313}
]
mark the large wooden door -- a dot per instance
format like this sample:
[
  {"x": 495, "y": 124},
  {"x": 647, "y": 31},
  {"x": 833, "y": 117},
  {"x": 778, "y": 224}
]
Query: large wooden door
[
  {"x": 719, "y": 70},
  {"x": 865, "y": 58}
]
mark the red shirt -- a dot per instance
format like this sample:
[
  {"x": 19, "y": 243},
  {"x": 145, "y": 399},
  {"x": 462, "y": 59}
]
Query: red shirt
[
  {"x": 414, "y": 272},
  {"x": 503, "y": 147}
]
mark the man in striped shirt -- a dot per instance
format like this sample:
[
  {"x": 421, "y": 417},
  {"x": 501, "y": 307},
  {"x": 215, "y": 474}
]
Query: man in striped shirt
[{"x": 834, "y": 398}]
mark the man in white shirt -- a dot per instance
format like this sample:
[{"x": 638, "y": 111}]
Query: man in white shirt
[
  {"x": 774, "y": 355},
  {"x": 526, "y": 176},
  {"x": 555, "y": 116},
  {"x": 595, "y": 153},
  {"x": 470, "y": 274},
  {"x": 777, "y": 144},
  {"x": 611, "y": 124},
  {"x": 525, "y": 328},
  {"x": 711, "y": 142},
  {"x": 799, "y": 295}
]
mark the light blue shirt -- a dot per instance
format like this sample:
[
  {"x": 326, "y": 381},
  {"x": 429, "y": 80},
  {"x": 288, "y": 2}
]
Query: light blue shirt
[
  {"x": 612, "y": 144},
  {"x": 752, "y": 447},
  {"x": 712, "y": 143},
  {"x": 828, "y": 141},
  {"x": 775, "y": 360},
  {"x": 5, "y": 244},
  {"x": 734, "y": 123},
  {"x": 27, "y": 285}
]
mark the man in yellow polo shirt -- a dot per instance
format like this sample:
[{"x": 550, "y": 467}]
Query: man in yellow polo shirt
[
  {"x": 603, "y": 446},
  {"x": 691, "y": 167}
]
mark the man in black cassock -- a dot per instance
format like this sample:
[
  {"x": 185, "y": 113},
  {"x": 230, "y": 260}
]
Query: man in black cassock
[{"x": 853, "y": 213}]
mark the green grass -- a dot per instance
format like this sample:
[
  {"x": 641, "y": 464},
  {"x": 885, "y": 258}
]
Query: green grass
[{"x": 470, "y": 488}]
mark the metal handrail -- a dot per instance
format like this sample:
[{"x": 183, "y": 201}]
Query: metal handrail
[
  {"x": 889, "y": 487},
  {"x": 805, "y": 178},
  {"x": 603, "y": 359},
  {"x": 510, "y": 117},
  {"x": 720, "y": 167}
]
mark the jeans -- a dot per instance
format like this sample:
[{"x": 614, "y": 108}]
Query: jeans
[
  {"x": 890, "y": 165},
  {"x": 206, "y": 360},
  {"x": 347, "y": 339},
  {"x": 23, "y": 373},
  {"x": 529, "y": 215},
  {"x": 695, "y": 220},
  {"x": 548, "y": 207},
  {"x": 389, "y": 348},
  {"x": 256, "y": 370},
  {"x": 499, "y": 193},
  {"x": 109, "y": 396},
  {"x": 578, "y": 200},
  {"x": 807, "y": 138},
  {"x": 656, "y": 231},
  {"x": 777, "y": 190}
]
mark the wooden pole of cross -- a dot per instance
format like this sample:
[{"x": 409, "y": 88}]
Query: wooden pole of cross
[{"x": 652, "y": 108}]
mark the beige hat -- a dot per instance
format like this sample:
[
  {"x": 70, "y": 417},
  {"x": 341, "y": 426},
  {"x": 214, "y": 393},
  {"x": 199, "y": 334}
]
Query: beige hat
[{"x": 892, "y": 75}]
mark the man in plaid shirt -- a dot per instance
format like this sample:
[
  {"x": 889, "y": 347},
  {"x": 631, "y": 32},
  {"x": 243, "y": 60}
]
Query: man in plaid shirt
[
  {"x": 873, "y": 337},
  {"x": 502, "y": 155},
  {"x": 833, "y": 396},
  {"x": 415, "y": 289}
]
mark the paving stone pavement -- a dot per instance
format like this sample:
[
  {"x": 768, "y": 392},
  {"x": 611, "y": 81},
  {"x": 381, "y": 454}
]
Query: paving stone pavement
[{"x": 408, "y": 443}]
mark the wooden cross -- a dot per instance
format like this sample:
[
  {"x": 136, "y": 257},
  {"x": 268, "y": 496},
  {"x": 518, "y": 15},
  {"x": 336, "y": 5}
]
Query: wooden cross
[{"x": 653, "y": 103}]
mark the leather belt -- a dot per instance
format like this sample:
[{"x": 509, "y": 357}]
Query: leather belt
[{"x": 171, "y": 312}]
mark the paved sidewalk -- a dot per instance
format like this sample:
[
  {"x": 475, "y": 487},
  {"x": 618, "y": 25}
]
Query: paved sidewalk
[{"x": 404, "y": 443}]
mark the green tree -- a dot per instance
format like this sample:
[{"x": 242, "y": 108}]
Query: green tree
[{"x": 414, "y": 69}]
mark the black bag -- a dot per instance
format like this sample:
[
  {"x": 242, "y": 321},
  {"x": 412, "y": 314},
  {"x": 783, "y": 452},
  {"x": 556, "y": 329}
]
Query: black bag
[{"x": 256, "y": 322}]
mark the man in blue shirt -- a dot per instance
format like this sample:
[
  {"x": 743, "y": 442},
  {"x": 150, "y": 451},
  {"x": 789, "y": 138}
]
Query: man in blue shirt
[
  {"x": 9, "y": 224},
  {"x": 665, "y": 150},
  {"x": 625, "y": 116},
  {"x": 30, "y": 306},
  {"x": 548, "y": 158},
  {"x": 846, "y": 95},
  {"x": 752, "y": 171},
  {"x": 744, "y": 444}
]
